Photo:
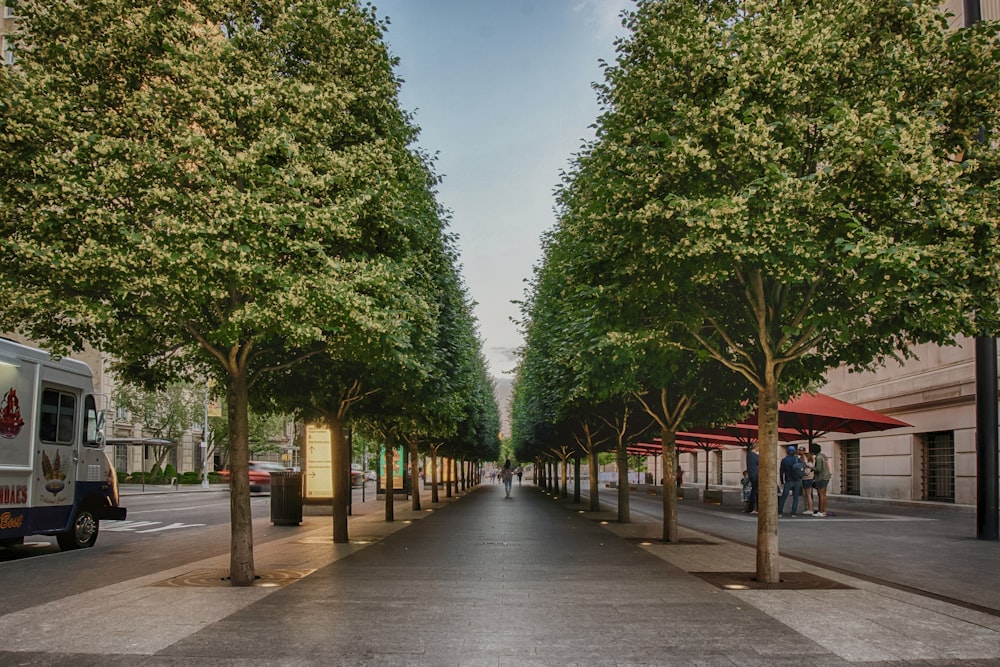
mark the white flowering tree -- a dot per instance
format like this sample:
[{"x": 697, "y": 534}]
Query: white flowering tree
[
  {"x": 195, "y": 186},
  {"x": 799, "y": 185}
]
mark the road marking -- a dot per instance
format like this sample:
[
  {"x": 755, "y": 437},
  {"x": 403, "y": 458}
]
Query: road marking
[
  {"x": 135, "y": 526},
  {"x": 172, "y": 527},
  {"x": 177, "y": 509}
]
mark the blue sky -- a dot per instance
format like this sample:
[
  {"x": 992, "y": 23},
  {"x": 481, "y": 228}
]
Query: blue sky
[{"x": 502, "y": 92}]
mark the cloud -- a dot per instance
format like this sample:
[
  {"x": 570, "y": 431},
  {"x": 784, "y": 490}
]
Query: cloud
[{"x": 604, "y": 16}]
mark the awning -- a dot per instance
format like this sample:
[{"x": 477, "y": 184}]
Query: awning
[
  {"x": 814, "y": 415},
  {"x": 140, "y": 442}
]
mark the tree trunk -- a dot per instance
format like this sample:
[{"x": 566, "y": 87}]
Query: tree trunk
[
  {"x": 621, "y": 458},
  {"x": 389, "y": 454},
  {"x": 340, "y": 464},
  {"x": 414, "y": 476},
  {"x": 565, "y": 478},
  {"x": 668, "y": 439},
  {"x": 241, "y": 568},
  {"x": 768, "y": 565},
  {"x": 434, "y": 475},
  {"x": 576, "y": 479},
  {"x": 595, "y": 482}
]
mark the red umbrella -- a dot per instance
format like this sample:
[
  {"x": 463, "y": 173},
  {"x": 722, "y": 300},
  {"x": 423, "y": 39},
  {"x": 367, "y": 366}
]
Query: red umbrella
[
  {"x": 814, "y": 415},
  {"x": 688, "y": 442},
  {"x": 745, "y": 433},
  {"x": 683, "y": 446}
]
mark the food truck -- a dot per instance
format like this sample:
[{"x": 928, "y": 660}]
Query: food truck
[{"x": 55, "y": 477}]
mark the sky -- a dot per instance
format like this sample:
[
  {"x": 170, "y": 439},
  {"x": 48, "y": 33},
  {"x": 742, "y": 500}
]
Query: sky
[{"x": 502, "y": 92}]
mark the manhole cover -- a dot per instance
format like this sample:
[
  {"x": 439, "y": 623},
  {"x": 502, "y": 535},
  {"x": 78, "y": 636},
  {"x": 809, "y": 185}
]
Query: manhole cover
[
  {"x": 790, "y": 581},
  {"x": 220, "y": 578}
]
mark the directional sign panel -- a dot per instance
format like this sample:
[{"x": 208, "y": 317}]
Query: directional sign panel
[{"x": 318, "y": 464}]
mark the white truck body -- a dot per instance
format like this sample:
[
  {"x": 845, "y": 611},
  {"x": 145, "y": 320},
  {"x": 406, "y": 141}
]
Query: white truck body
[{"x": 55, "y": 477}]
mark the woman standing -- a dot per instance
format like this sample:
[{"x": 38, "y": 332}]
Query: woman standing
[{"x": 807, "y": 481}]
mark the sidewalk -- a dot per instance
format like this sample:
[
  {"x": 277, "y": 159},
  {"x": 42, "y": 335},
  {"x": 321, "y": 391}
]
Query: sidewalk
[{"x": 484, "y": 580}]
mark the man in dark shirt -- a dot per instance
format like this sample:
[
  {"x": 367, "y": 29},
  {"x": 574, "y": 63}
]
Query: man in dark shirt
[
  {"x": 753, "y": 472},
  {"x": 789, "y": 484}
]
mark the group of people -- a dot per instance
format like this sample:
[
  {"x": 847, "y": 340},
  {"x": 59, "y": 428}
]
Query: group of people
[{"x": 800, "y": 472}]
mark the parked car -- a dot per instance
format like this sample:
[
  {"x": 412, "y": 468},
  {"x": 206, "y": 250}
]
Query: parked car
[
  {"x": 260, "y": 474},
  {"x": 357, "y": 478}
]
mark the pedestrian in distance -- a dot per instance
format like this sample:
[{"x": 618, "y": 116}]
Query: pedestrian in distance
[
  {"x": 745, "y": 483},
  {"x": 807, "y": 481},
  {"x": 821, "y": 479},
  {"x": 791, "y": 481},
  {"x": 520, "y": 473},
  {"x": 753, "y": 472},
  {"x": 508, "y": 476}
]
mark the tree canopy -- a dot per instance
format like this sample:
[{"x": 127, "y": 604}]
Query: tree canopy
[
  {"x": 214, "y": 188},
  {"x": 788, "y": 187}
]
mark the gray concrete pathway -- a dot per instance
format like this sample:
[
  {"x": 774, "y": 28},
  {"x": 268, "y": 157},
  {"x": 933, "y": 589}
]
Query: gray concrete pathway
[{"x": 486, "y": 580}]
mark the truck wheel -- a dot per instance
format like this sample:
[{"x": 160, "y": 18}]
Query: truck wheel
[{"x": 82, "y": 532}]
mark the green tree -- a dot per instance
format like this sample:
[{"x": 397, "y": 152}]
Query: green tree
[
  {"x": 167, "y": 413},
  {"x": 195, "y": 185},
  {"x": 608, "y": 357},
  {"x": 801, "y": 185}
]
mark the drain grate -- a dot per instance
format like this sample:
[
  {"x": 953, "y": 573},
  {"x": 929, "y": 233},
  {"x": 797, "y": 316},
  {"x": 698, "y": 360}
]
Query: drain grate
[
  {"x": 790, "y": 581},
  {"x": 220, "y": 579}
]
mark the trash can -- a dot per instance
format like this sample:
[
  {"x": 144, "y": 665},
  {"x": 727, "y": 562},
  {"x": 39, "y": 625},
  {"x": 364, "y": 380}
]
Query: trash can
[{"x": 286, "y": 498}]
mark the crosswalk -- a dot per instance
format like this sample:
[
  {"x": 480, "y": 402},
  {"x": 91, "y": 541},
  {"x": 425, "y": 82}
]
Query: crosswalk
[{"x": 144, "y": 526}]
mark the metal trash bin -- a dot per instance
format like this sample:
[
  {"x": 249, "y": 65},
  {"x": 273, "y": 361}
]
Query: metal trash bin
[{"x": 286, "y": 498}]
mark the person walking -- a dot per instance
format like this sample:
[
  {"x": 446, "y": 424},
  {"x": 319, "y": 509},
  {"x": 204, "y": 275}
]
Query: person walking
[
  {"x": 753, "y": 472},
  {"x": 790, "y": 482},
  {"x": 508, "y": 476},
  {"x": 821, "y": 479}
]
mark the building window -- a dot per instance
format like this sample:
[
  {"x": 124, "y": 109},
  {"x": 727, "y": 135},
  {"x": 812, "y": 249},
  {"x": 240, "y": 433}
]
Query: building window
[
  {"x": 8, "y": 12},
  {"x": 121, "y": 458},
  {"x": 8, "y": 51},
  {"x": 717, "y": 455},
  {"x": 850, "y": 467},
  {"x": 939, "y": 466},
  {"x": 990, "y": 9}
]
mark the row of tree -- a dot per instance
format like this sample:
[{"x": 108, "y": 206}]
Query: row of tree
[
  {"x": 228, "y": 191},
  {"x": 775, "y": 189}
]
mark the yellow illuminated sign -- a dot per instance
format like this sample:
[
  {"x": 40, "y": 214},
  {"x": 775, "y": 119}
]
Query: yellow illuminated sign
[{"x": 318, "y": 463}]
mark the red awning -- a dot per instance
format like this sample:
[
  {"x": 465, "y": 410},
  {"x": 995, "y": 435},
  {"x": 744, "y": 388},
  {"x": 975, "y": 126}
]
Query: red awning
[
  {"x": 683, "y": 444},
  {"x": 744, "y": 432},
  {"x": 815, "y": 415}
]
